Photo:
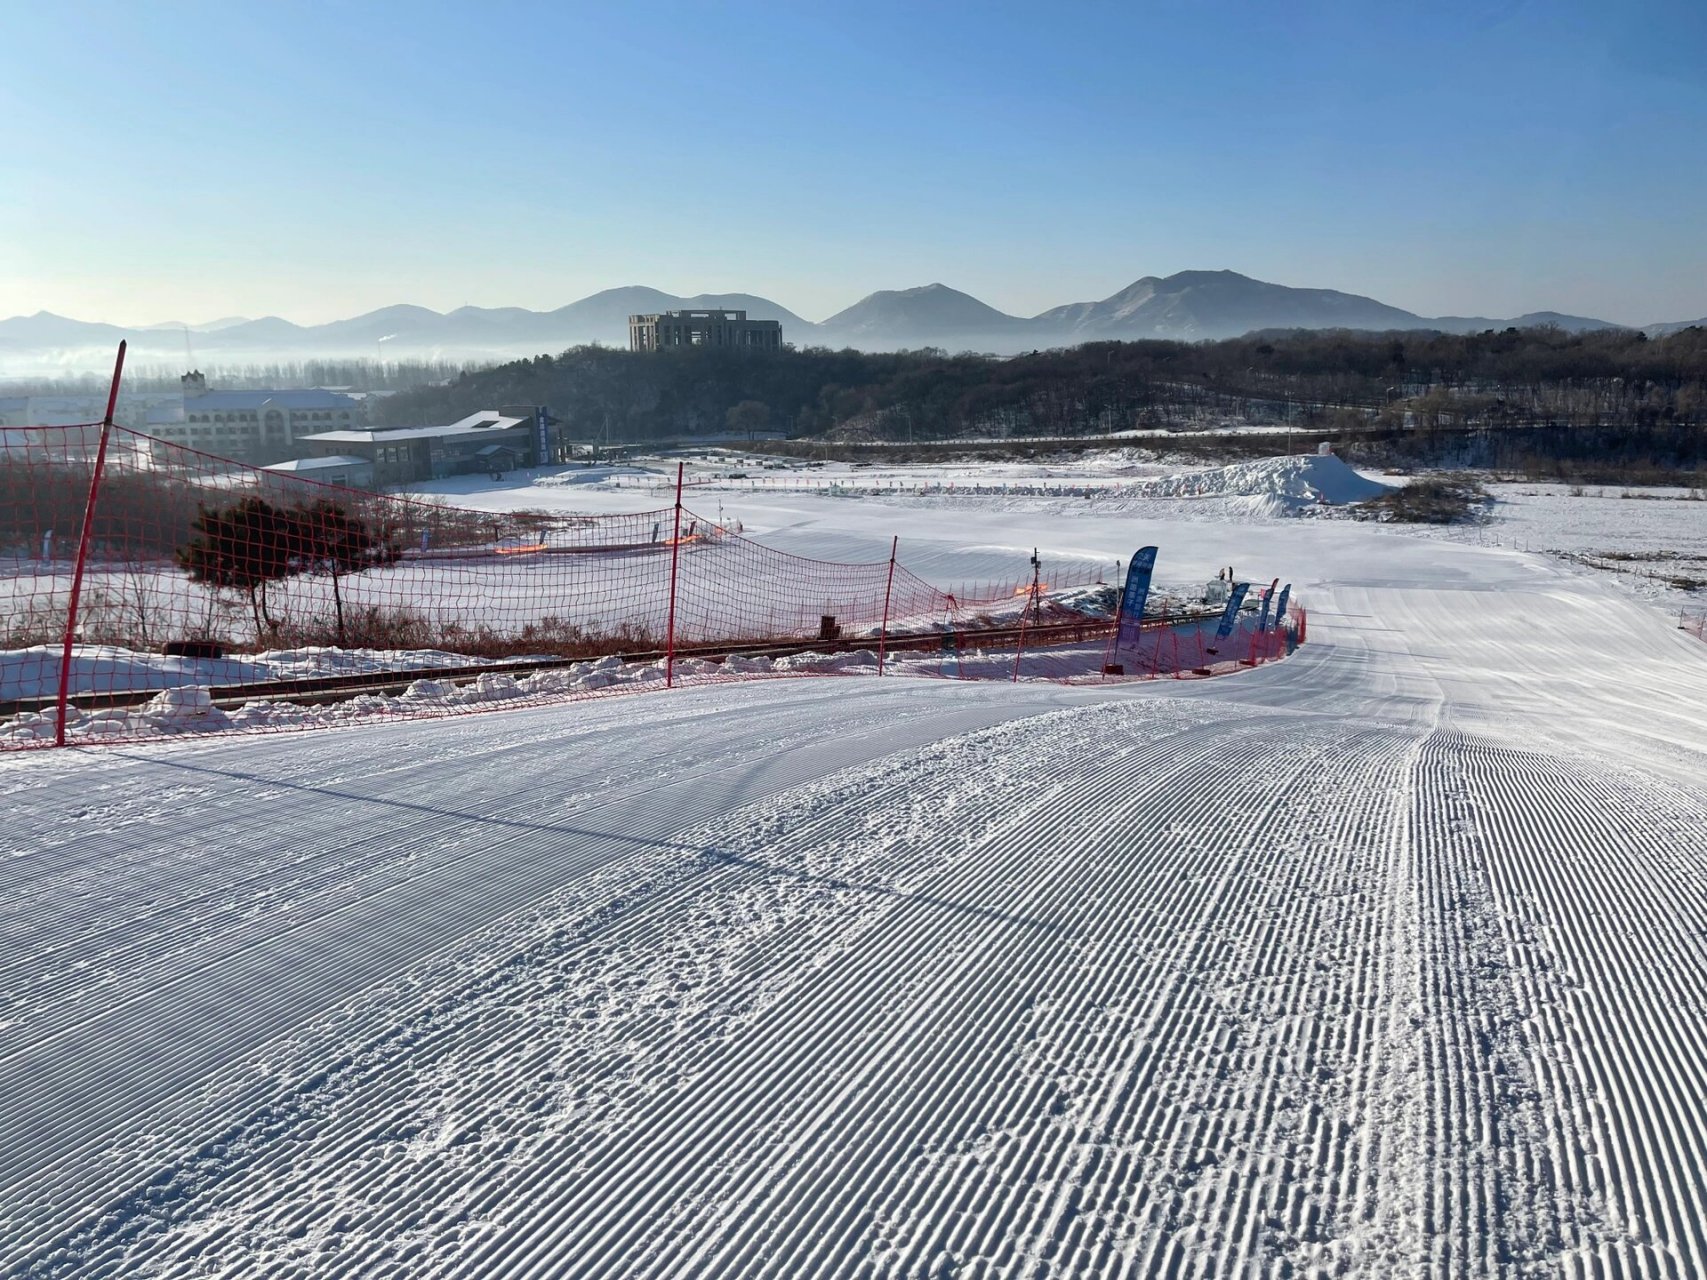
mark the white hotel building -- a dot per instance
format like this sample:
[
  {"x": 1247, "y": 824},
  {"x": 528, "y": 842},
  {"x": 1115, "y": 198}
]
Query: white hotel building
[{"x": 250, "y": 426}]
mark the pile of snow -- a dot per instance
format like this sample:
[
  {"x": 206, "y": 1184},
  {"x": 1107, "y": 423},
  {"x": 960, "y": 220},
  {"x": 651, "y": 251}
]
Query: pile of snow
[
  {"x": 185, "y": 710},
  {"x": 1099, "y": 601},
  {"x": 1279, "y": 484},
  {"x": 1258, "y": 489}
]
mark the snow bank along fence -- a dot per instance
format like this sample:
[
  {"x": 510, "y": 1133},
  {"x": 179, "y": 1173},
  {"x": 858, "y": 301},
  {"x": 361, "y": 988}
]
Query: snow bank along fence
[{"x": 147, "y": 588}]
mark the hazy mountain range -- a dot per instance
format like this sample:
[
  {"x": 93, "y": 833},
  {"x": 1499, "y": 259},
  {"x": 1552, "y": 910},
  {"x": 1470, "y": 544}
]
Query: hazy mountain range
[{"x": 1190, "y": 305}]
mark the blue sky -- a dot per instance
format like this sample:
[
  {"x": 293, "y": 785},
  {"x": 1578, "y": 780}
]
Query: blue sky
[{"x": 183, "y": 162}]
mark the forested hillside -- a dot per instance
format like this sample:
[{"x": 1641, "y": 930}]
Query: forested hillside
[{"x": 1588, "y": 383}]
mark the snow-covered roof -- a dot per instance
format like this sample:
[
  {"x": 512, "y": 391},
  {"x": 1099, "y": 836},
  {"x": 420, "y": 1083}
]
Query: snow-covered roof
[
  {"x": 295, "y": 399},
  {"x": 486, "y": 418},
  {"x": 318, "y": 464},
  {"x": 474, "y": 422}
]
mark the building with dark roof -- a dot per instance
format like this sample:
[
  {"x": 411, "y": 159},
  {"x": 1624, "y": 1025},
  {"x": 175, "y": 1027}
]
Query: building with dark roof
[{"x": 492, "y": 441}]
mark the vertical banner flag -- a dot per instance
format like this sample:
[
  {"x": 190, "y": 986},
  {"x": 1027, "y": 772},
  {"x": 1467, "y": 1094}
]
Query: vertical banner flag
[
  {"x": 542, "y": 437},
  {"x": 1235, "y": 600},
  {"x": 1267, "y": 599},
  {"x": 1133, "y": 598},
  {"x": 1280, "y": 608}
]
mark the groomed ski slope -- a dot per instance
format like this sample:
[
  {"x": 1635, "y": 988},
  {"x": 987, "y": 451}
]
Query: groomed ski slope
[{"x": 1387, "y": 959}]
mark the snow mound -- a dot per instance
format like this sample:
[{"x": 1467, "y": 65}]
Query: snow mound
[{"x": 1273, "y": 485}]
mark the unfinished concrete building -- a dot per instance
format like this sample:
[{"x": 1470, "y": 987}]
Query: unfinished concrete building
[{"x": 703, "y": 329}]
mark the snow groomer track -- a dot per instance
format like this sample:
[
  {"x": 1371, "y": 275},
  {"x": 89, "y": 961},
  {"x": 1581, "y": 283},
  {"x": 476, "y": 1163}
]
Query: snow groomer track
[{"x": 1385, "y": 960}]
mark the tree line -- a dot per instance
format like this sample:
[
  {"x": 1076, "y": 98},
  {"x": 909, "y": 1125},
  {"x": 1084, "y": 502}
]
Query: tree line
[
  {"x": 1339, "y": 379},
  {"x": 266, "y": 375}
]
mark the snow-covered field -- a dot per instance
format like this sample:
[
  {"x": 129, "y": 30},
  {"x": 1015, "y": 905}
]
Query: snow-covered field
[
  {"x": 1651, "y": 542},
  {"x": 1384, "y": 960}
]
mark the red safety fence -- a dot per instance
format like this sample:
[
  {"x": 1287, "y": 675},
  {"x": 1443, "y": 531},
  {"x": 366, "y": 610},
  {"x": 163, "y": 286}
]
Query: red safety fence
[
  {"x": 1173, "y": 644},
  {"x": 147, "y": 589}
]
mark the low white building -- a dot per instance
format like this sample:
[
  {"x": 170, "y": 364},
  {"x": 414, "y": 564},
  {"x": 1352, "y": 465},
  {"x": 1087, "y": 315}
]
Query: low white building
[
  {"x": 350, "y": 472},
  {"x": 492, "y": 441}
]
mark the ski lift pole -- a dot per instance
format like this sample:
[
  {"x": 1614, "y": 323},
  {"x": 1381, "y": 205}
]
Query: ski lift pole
[
  {"x": 83, "y": 551},
  {"x": 888, "y": 589},
  {"x": 675, "y": 561}
]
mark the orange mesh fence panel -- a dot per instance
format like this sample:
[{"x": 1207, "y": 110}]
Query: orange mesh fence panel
[{"x": 220, "y": 596}]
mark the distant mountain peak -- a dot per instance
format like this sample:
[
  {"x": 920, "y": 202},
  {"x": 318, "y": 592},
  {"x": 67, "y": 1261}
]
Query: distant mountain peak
[
  {"x": 928, "y": 314},
  {"x": 1201, "y": 276},
  {"x": 1187, "y": 305}
]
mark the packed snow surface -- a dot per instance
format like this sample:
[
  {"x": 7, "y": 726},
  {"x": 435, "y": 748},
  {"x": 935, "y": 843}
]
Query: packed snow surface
[{"x": 1384, "y": 960}]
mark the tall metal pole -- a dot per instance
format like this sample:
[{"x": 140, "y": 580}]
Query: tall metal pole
[
  {"x": 83, "y": 550},
  {"x": 883, "y": 634},
  {"x": 675, "y": 561}
]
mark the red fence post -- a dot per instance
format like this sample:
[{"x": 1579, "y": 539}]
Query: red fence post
[
  {"x": 1033, "y": 602},
  {"x": 1019, "y": 644},
  {"x": 883, "y": 632},
  {"x": 83, "y": 550},
  {"x": 675, "y": 560},
  {"x": 1113, "y": 645}
]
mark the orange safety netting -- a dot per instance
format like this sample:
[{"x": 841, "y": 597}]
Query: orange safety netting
[{"x": 213, "y": 594}]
